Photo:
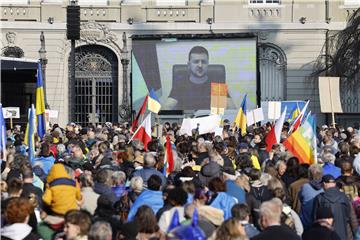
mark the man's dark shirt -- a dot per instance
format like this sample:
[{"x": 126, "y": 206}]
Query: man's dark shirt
[{"x": 190, "y": 95}]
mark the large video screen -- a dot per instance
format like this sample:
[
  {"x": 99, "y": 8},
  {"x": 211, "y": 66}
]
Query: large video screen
[{"x": 190, "y": 74}]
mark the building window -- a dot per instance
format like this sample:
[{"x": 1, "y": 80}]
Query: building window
[
  {"x": 351, "y": 2},
  {"x": 272, "y": 62},
  {"x": 264, "y": 1}
]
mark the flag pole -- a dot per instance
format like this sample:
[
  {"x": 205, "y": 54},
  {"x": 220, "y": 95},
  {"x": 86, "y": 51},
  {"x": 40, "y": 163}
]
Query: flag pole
[
  {"x": 253, "y": 112},
  {"x": 274, "y": 114},
  {"x": 332, "y": 106},
  {"x": 11, "y": 122}
]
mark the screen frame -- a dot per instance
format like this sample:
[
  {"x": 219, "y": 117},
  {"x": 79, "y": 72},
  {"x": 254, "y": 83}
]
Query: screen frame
[{"x": 214, "y": 36}]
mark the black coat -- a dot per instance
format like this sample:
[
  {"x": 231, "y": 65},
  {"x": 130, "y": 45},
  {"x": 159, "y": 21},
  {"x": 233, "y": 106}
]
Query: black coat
[
  {"x": 277, "y": 232},
  {"x": 319, "y": 232},
  {"x": 340, "y": 207}
]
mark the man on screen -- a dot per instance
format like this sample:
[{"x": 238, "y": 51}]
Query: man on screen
[{"x": 192, "y": 85}]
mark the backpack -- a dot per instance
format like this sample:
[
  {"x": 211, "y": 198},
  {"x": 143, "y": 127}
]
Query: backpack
[
  {"x": 350, "y": 191},
  {"x": 286, "y": 218},
  {"x": 356, "y": 205},
  {"x": 258, "y": 193}
]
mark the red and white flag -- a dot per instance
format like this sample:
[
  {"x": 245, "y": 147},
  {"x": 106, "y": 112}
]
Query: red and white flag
[
  {"x": 143, "y": 133},
  {"x": 274, "y": 135},
  {"x": 299, "y": 118},
  {"x": 141, "y": 113}
]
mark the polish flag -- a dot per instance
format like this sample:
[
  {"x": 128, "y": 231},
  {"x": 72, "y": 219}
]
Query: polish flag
[
  {"x": 141, "y": 113},
  {"x": 143, "y": 133},
  {"x": 274, "y": 135},
  {"x": 298, "y": 120}
]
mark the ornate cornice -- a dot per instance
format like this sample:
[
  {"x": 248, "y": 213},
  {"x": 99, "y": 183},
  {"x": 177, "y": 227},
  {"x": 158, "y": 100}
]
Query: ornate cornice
[{"x": 95, "y": 33}]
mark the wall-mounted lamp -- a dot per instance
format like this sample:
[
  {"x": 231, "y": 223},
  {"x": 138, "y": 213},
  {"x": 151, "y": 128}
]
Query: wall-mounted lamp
[
  {"x": 302, "y": 20},
  {"x": 130, "y": 21},
  {"x": 51, "y": 20},
  {"x": 209, "y": 21}
]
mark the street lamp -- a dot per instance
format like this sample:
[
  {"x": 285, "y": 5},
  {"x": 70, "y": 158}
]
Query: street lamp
[
  {"x": 124, "y": 109},
  {"x": 43, "y": 61}
]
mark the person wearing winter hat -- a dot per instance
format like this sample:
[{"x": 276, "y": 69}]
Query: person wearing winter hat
[
  {"x": 208, "y": 172},
  {"x": 322, "y": 228},
  {"x": 340, "y": 207}
]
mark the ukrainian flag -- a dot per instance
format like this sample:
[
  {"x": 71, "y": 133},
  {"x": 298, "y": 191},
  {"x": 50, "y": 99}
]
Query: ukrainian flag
[
  {"x": 153, "y": 102},
  {"x": 240, "y": 119},
  {"x": 294, "y": 113},
  {"x": 30, "y": 134},
  {"x": 40, "y": 104}
]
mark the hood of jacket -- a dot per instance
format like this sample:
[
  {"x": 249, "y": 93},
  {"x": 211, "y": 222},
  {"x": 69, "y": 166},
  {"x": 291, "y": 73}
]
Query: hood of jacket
[
  {"x": 334, "y": 195},
  {"x": 57, "y": 171},
  {"x": 16, "y": 231}
]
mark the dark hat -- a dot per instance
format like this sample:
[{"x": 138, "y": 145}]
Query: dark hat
[
  {"x": 39, "y": 172},
  {"x": 83, "y": 131},
  {"x": 328, "y": 178},
  {"x": 324, "y": 212},
  {"x": 243, "y": 145},
  {"x": 209, "y": 171}
]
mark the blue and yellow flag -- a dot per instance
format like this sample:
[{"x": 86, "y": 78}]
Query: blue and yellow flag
[
  {"x": 30, "y": 134},
  {"x": 40, "y": 104},
  {"x": 153, "y": 102},
  {"x": 294, "y": 113},
  {"x": 240, "y": 119}
]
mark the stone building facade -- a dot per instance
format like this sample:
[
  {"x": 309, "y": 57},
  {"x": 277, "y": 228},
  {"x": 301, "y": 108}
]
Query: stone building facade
[{"x": 291, "y": 35}]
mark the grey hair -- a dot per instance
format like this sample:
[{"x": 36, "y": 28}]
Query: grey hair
[
  {"x": 328, "y": 157},
  {"x": 265, "y": 178},
  {"x": 315, "y": 172},
  {"x": 136, "y": 184},
  {"x": 100, "y": 231},
  {"x": 271, "y": 210},
  {"x": 118, "y": 177},
  {"x": 60, "y": 148},
  {"x": 149, "y": 160}
]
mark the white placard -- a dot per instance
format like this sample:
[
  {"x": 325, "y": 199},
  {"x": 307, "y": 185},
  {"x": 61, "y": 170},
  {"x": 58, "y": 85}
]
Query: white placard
[
  {"x": 274, "y": 110},
  {"x": 11, "y": 112},
  {"x": 52, "y": 113},
  {"x": 219, "y": 131},
  {"x": 256, "y": 115},
  {"x": 205, "y": 124},
  {"x": 329, "y": 94}
]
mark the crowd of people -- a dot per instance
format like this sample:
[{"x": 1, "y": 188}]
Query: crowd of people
[{"x": 92, "y": 183}]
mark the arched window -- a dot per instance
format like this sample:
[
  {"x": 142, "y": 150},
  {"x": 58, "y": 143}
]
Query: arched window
[{"x": 272, "y": 61}]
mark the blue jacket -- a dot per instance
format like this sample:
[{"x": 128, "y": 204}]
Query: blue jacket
[
  {"x": 307, "y": 196},
  {"x": 235, "y": 190},
  {"x": 153, "y": 199},
  {"x": 146, "y": 173},
  {"x": 331, "y": 169},
  {"x": 46, "y": 163},
  {"x": 224, "y": 202},
  {"x": 118, "y": 191}
]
